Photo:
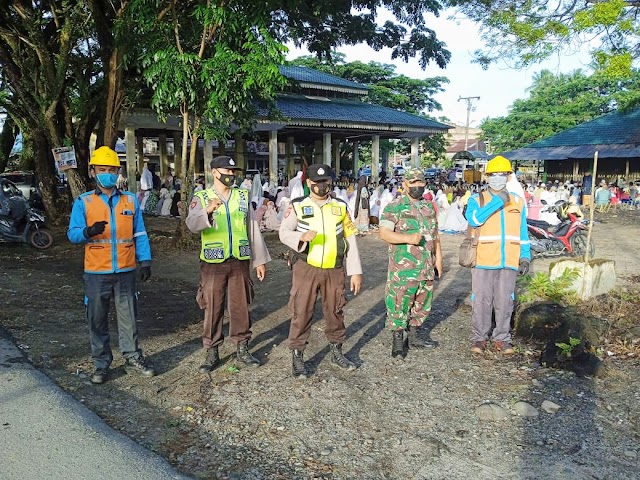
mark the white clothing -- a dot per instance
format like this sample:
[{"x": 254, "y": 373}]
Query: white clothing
[{"x": 146, "y": 180}]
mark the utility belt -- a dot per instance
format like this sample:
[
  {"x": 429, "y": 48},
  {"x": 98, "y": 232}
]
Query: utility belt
[{"x": 295, "y": 256}]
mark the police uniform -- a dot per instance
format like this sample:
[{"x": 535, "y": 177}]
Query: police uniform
[
  {"x": 110, "y": 260},
  {"x": 321, "y": 264},
  {"x": 230, "y": 242}
]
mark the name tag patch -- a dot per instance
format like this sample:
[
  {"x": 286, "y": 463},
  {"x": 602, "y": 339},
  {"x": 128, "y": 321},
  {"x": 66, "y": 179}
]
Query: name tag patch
[
  {"x": 214, "y": 253},
  {"x": 307, "y": 211},
  {"x": 245, "y": 251},
  {"x": 336, "y": 211}
]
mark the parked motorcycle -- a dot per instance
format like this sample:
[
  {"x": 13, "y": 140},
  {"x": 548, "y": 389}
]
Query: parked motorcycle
[
  {"x": 24, "y": 224},
  {"x": 569, "y": 237}
]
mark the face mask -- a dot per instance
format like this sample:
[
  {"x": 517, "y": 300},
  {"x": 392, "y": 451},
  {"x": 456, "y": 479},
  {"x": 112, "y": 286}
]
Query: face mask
[
  {"x": 416, "y": 192},
  {"x": 497, "y": 182},
  {"x": 107, "y": 180},
  {"x": 321, "y": 189},
  {"x": 227, "y": 179}
]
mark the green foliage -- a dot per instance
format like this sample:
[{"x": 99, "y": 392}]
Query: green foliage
[
  {"x": 557, "y": 102},
  {"x": 541, "y": 287},
  {"x": 567, "y": 348},
  {"x": 528, "y": 31}
]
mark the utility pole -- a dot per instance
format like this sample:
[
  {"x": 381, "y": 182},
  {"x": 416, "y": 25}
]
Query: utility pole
[{"x": 469, "y": 101}]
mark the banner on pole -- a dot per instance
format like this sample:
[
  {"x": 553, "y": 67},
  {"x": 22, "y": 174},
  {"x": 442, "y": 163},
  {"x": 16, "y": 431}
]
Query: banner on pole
[{"x": 65, "y": 157}]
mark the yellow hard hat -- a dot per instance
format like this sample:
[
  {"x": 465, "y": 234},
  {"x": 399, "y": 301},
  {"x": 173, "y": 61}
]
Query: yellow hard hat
[
  {"x": 498, "y": 164},
  {"x": 105, "y": 156}
]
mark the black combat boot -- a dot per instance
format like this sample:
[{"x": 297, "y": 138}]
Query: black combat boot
[
  {"x": 244, "y": 355},
  {"x": 99, "y": 376},
  {"x": 299, "y": 369},
  {"x": 211, "y": 360},
  {"x": 416, "y": 341},
  {"x": 339, "y": 360},
  {"x": 139, "y": 366},
  {"x": 400, "y": 344}
]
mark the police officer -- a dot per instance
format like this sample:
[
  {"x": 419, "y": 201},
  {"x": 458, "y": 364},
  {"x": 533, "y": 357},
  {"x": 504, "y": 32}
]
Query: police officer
[
  {"x": 319, "y": 230},
  {"x": 503, "y": 252},
  {"x": 110, "y": 224},
  {"x": 231, "y": 241},
  {"x": 409, "y": 225}
]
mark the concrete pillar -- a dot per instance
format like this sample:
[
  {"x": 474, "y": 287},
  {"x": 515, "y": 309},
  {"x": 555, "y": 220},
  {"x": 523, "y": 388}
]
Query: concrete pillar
[
  {"x": 291, "y": 167},
  {"x": 356, "y": 158},
  {"x": 93, "y": 138},
  {"x": 208, "y": 156},
  {"x": 326, "y": 148},
  {"x": 336, "y": 158},
  {"x": 130, "y": 140},
  {"x": 273, "y": 157},
  {"x": 317, "y": 151},
  {"x": 375, "y": 157},
  {"x": 164, "y": 160},
  {"x": 140, "y": 144},
  {"x": 626, "y": 172},
  {"x": 415, "y": 157},
  {"x": 240, "y": 150}
]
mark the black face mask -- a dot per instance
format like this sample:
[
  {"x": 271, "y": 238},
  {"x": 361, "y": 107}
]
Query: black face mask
[
  {"x": 416, "y": 192},
  {"x": 321, "y": 189},
  {"x": 227, "y": 179}
]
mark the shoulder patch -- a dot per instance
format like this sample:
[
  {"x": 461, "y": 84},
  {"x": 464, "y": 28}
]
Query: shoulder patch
[
  {"x": 194, "y": 204},
  {"x": 288, "y": 211}
]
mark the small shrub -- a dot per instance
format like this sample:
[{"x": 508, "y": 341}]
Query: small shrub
[{"x": 541, "y": 287}]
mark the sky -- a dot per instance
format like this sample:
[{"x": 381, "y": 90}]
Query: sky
[{"x": 497, "y": 87}]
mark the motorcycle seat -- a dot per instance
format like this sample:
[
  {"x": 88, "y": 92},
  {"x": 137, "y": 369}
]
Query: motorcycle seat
[{"x": 538, "y": 223}]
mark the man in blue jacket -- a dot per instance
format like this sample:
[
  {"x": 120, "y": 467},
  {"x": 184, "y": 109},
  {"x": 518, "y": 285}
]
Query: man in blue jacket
[
  {"x": 503, "y": 251},
  {"x": 110, "y": 224}
]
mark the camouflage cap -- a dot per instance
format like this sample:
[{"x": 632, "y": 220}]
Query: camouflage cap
[{"x": 413, "y": 174}]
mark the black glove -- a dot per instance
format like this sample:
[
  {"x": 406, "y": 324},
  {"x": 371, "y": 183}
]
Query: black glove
[
  {"x": 95, "y": 229},
  {"x": 145, "y": 273},
  {"x": 523, "y": 268},
  {"x": 503, "y": 194}
]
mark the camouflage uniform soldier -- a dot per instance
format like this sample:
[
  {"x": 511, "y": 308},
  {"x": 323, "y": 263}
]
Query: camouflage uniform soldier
[{"x": 409, "y": 225}]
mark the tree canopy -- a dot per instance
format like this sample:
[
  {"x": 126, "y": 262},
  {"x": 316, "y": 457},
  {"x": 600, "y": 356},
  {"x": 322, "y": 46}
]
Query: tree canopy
[
  {"x": 557, "y": 102},
  {"x": 527, "y": 31}
]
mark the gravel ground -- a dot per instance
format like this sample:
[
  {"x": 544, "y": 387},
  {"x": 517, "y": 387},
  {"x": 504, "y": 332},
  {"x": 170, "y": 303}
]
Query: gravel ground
[{"x": 418, "y": 418}]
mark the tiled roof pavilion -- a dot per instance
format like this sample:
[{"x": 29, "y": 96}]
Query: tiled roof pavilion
[
  {"x": 319, "y": 109},
  {"x": 615, "y": 136}
]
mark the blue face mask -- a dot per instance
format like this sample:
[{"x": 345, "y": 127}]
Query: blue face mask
[{"x": 107, "y": 180}]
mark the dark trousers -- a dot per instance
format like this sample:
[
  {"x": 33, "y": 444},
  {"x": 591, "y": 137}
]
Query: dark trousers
[
  {"x": 228, "y": 280},
  {"x": 307, "y": 282},
  {"x": 100, "y": 289},
  {"x": 492, "y": 290}
]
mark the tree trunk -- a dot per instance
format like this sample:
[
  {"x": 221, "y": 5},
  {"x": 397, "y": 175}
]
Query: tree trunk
[
  {"x": 56, "y": 206},
  {"x": 7, "y": 139},
  {"x": 182, "y": 232},
  {"x": 108, "y": 131}
]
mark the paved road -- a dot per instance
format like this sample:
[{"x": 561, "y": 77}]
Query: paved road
[{"x": 47, "y": 434}]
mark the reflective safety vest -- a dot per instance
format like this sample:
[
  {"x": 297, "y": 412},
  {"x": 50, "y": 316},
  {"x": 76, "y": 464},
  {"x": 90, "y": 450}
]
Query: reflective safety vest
[
  {"x": 229, "y": 238},
  {"x": 499, "y": 240},
  {"x": 333, "y": 224},
  {"x": 113, "y": 250}
]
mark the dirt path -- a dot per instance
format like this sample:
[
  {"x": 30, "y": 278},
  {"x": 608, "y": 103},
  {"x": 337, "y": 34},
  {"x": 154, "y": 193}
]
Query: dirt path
[{"x": 394, "y": 420}]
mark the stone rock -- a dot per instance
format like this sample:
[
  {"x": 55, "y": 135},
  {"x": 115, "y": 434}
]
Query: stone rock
[
  {"x": 491, "y": 412},
  {"x": 550, "y": 407},
  {"x": 525, "y": 409},
  {"x": 537, "y": 383},
  {"x": 630, "y": 454}
]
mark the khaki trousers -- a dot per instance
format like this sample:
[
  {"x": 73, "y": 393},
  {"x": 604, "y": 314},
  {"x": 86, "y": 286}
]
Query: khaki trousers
[
  {"x": 307, "y": 282},
  {"x": 230, "y": 281}
]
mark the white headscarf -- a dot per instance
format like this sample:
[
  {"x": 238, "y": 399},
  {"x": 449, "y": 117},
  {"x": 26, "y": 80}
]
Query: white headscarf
[{"x": 296, "y": 189}]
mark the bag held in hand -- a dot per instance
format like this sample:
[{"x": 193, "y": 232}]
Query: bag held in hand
[{"x": 469, "y": 246}]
